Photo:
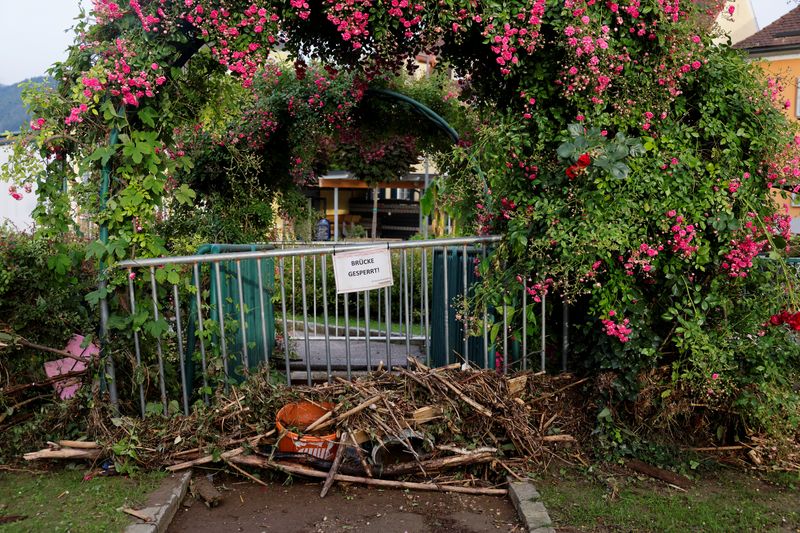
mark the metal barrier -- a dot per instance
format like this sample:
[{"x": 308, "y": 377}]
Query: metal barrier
[{"x": 188, "y": 308}]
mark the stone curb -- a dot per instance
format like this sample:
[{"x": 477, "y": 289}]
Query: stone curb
[
  {"x": 162, "y": 504},
  {"x": 530, "y": 509}
]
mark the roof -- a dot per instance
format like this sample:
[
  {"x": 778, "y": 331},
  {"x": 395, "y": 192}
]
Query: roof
[{"x": 783, "y": 34}]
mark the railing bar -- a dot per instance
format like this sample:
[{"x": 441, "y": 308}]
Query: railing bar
[
  {"x": 388, "y": 314},
  {"x": 564, "y": 336},
  {"x": 485, "y": 326},
  {"x": 263, "y": 316},
  {"x": 285, "y": 325},
  {"x": 544, "y": 332},
  {"x": 407, "y": 307},
  {"x": 524, "y": 324},
  {"x": 347, "y": 334},
  {"x": 305, "y": 318},
  {"x": 367, "y": 331},
  {"x": 426, "y": 310},
  {"x": 294, "y": 314},
  {"x": 242, "y": 319},
  {"x": 505, "y": 336},
  {"x": 221, "y": 317},
  {"x": 446, "y": 286},
  {"x": 161, "y": 380},
  {"x": 466, "y": 306},
  {"x": 136, "y": 345},
  {"x": 241, "y": 256},
  {"x": 325, "y": 315},
  {"x": 181, "y": 353},
  {"x": 200, "y": 326},
  {"x": 314, "y": 290}
]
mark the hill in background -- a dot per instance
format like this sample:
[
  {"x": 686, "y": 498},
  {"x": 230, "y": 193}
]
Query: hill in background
[{"x": 12, "y": 111}]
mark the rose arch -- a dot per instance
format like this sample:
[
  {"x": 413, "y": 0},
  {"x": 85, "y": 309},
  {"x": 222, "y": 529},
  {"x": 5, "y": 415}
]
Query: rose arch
[{"x": 628, "y": 158}]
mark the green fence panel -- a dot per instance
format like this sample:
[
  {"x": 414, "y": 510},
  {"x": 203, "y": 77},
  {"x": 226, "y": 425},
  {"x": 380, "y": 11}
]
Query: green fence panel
[
  {"x": 257, "y": 343},
  {"x": 455, "y": 292}
]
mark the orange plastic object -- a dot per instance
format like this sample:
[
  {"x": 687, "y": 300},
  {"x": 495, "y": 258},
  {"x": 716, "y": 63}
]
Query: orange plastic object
[{"x": 300, "y": 415}]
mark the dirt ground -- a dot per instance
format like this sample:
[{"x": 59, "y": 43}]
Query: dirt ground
[{"x": 248, "y": 507}]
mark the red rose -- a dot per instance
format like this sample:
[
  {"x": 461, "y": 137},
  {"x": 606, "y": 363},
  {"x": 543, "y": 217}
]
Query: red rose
[
  {"x": 584, "y": 160},
  {"x": 572, "y": 171}
]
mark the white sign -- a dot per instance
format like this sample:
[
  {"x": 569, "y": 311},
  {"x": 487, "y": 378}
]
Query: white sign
[{"x": 362, "y": 270}]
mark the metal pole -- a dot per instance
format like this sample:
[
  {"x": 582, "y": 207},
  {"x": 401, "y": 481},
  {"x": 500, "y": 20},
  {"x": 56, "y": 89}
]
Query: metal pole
[
  {"x": 524, "y": 325},
  {"x": 366, "y": 330},
  {"x": 161, "y": 381},
  {"x": 221, "y": 318},
  {"x": 285, "y": 325},
  {"x": 466, "y": 306},
  {"x": 425, "y": 303},
  {"x": 485, "y": 326},
  {"x": 347, "y": 335},
  {"x": 505, "y": 336},
  {"x": 407, "y": 306},
  {"x": 181, "y": 354},
  {"x": 136, "y": 344},
  {"x": 544, "y": 347},
  {"x": 200, "y": 326},
  {"x": 305, "y": 318},
  {"x": 242, "y": 319},
  {"x": 325, "y": 315},
  {"x": 564, "y": 336},
  {"x": 446, "y": 286},
  {"x": 263, "y": 317},
  {"x": 388, "y": 323},
  {"x": 336, "y": 214}
]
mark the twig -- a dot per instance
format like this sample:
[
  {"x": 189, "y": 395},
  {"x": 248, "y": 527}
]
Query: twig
[
  {"x": 334, "y": 468},
  {"x": 309, "y": 472},
  {"x": 245, "y": 474}
]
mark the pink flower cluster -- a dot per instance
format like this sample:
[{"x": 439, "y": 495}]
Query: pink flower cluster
[
  {"x": 536, "y": 290},
  {"x": 519, "y": 32},
  {"x": 37, "y": 124},
  {"x": 620, "y": 330},
  {"x": 682, "y": 236},
  {"x": 351, "y": 19},
  {"x": 75, "y": 114},
  {"x": 642, "y": 258},
  {"x": 106, "y": 11},
  {"x": 407, "y": 13}
]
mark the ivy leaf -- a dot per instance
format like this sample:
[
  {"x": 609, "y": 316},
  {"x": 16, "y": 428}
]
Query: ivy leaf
[
  {"x": 156, "y": 328},
  {"x": 566, "y": 150},
  {"x": 184, "y": 194},
  {"x": 148, "y": 115},
  {"x": 59, "y": 263},
  {"x": 96, "y": 249}
]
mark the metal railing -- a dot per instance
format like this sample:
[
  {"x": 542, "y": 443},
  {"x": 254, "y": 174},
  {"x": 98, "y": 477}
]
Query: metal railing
[{"x": 223, "y": 313}]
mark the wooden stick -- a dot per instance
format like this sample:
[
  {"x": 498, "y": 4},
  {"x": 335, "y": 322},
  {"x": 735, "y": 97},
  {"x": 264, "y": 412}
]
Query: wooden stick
[
  {"x": 441, "y": 463},
  {"x": 245, "y": 474},
  {"x": 138, "y": 514},
  {"x": 558, "y": 438},
  {"x": 360, "y": 452},
  {"x": 717, "y": 448},
  {"x": 252, "y": 440},
  {"x": 309, "y": 472},
  {"x": 475, "y": 405},
  {"x": 334, "y": 468},
  {"x": 206, "y": 459},
  {"x": 226, "y": 455},
  {"x": 83, "y": 445},
  {"x": 357, "y": 409},
  {"x": 54, "y": 350},
  {"x": 63, "y": 453},
  {"x": 319, "y": 421},
  {"x": 658, "y": 473}
]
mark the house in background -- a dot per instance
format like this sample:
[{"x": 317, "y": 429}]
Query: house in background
[
  {"x": 739, "y": 26},
  {"x": 776, "y": 48}
]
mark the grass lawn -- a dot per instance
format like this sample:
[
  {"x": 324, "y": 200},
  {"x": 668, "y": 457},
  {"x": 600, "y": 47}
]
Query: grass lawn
[
  {"x": 721, "y": 500},
  {"x": 61, "y": 501}
]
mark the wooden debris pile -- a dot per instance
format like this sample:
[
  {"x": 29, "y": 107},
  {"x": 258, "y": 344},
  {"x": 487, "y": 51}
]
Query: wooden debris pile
[{"x": 416, "y": 423}]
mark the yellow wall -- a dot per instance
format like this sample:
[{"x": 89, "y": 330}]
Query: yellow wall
[{"x": 787, "y": 71}]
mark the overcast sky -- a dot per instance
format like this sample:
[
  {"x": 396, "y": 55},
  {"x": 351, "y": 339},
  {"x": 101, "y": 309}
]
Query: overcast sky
[{"x": 33, "y": 32}]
